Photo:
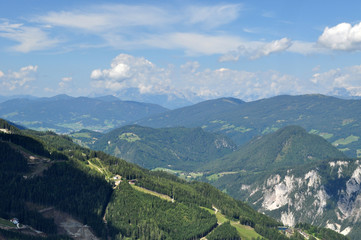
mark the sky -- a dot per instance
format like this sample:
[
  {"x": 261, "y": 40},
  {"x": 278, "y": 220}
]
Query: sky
[{"x": 188, "y": 49}]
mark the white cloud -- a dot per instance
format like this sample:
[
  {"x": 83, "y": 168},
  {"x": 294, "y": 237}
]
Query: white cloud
[
  {"x": 29, "y": 38},
  {"x": 143, "y": 26},
  {"x": 307, "y": 48},
  {"x": 127, "y": 71},
  {"x": 67, "y": 79},
  {"x": 343, "y": 36},
  {"x": 1, "y": 74},
  {"x": 103, "y": 18},
  {"x": 64, "y": 83},
  {"x": 18, "y": 80},
  {"x": 272, "y": 47},
  {"x": 191, "y": 67},
  {"x": 189, "y": 78},
  {"x": 195, "y": 43},
  {"x": 330, "y": 82},
  {"x": 254, "y": 50},
  {"x": 213, "y": 16}
]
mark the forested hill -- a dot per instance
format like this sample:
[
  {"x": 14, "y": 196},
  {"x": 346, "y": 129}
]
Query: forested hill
[
  {"x": 337, "y": 120},
  {"x": 287, "y": 147},
  {"x": 47, "y": 181},
  {"x": 176, "y": 148},
  {"x": 63, "y": 113}
]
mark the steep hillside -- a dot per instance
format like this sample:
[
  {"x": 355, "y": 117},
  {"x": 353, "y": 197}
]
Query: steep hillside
[
  {"x": 326, "y": 194},
  {"x": 65, "y": 114},
  {"x": 295, "y": 177},
  {"x": 336, "y": 120},
  {"x": 176, "y": 148},
  {"x": 287, "y": 147},
  {"x": 54, "y": 186}
]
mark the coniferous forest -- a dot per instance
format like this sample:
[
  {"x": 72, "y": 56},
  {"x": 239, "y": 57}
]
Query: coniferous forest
[{"x": 48, "y": 170}]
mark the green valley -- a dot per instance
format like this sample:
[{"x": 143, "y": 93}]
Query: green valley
[
  {"x": 174, "y": 148},
  {"x": 42, "y": 172},
  {"x": 332, "y": 118}
]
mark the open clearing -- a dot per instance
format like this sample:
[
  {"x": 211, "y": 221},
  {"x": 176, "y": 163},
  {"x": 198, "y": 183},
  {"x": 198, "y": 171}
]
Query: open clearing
[{"x": 245, "y": 232}]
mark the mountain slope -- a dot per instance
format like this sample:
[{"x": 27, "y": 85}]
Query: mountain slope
[
  {"x": 63, "y": 113},
  {"x": 287, "y": 147},
  {"x": 295, "y": 177},
  {"x": 176, "y": 148},
  {"x": 193, "y": 116},
  {"x": 54, "y": 175},
  {"x": 326, "y": 194},
  {"x": 337, "y": 120}
]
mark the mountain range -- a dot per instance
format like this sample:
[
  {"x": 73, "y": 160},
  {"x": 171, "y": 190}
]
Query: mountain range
[
  {"x": 279, "y": 173},
  {"x": 336, "y": 120},
  {"x": 292, "y": 158},
  {"x": 59, "y": 190},
  {"x": 63, "y": 113}
]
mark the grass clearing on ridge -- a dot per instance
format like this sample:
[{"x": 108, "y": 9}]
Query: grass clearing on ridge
[{"x": 245, "y": 232}]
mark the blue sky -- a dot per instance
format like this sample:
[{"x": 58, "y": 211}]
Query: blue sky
[{"x": 190, "y": 49}]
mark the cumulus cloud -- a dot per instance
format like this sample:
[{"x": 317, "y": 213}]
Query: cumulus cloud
[
  {"x": 29, "y": 38},
  {"x": 127, "y": 71},
  {"x": 65, "y": 82},
  {"x": 255, "y": 50},
  {"x": 347, "y": 78},
  {"x": 190, "y": 80},
  {"x": 133, "y": 72},
  {"x": 272, "y": 47},
  {"x": 343, "y": 36},
  {"x": 18, "y": 80}
]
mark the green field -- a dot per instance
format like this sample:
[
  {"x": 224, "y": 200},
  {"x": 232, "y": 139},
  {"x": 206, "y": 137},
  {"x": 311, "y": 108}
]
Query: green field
[
  {"x": 129, "y": 137},
  {"x": 144, "y": 190},
  {"x": 345, "y": 141},
  {"x": 97, "y": 165},
  {"x": 245, "y": 232},
  {"x": 216, "y": 176},
  {"x": 6, "y": 223}
]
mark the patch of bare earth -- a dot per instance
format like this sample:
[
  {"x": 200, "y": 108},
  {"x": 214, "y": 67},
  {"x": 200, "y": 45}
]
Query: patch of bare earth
[{"x": 66, "y": 224}]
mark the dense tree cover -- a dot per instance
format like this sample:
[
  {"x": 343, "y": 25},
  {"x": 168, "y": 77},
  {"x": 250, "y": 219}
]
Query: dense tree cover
[
  {"x": 130, "y": 211},
  {"x": 269, "y": 233},
  {"x": 224, "y": 232},
  {"x": 72, "y": 189},
  {"x": 243, "y": 121},
  {"x": 288, "y": 147},
  {"x": 83, "y": 189},
  {"x": 202, "y": 194},
  {"x": 11, "y": 159},
  {"x": 9, "y": 235},
  {"x": 9, "y": 126},
  {"x": 26, "y": 142},
  {"x": 181, "y": 148},
  {"x": 321, "y": 233}
]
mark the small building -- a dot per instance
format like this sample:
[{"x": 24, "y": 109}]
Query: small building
[
  {"x": 133, "y": 181},
  {"x": 117, "y": 177},
  {"x": 14, "y": 221}
]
